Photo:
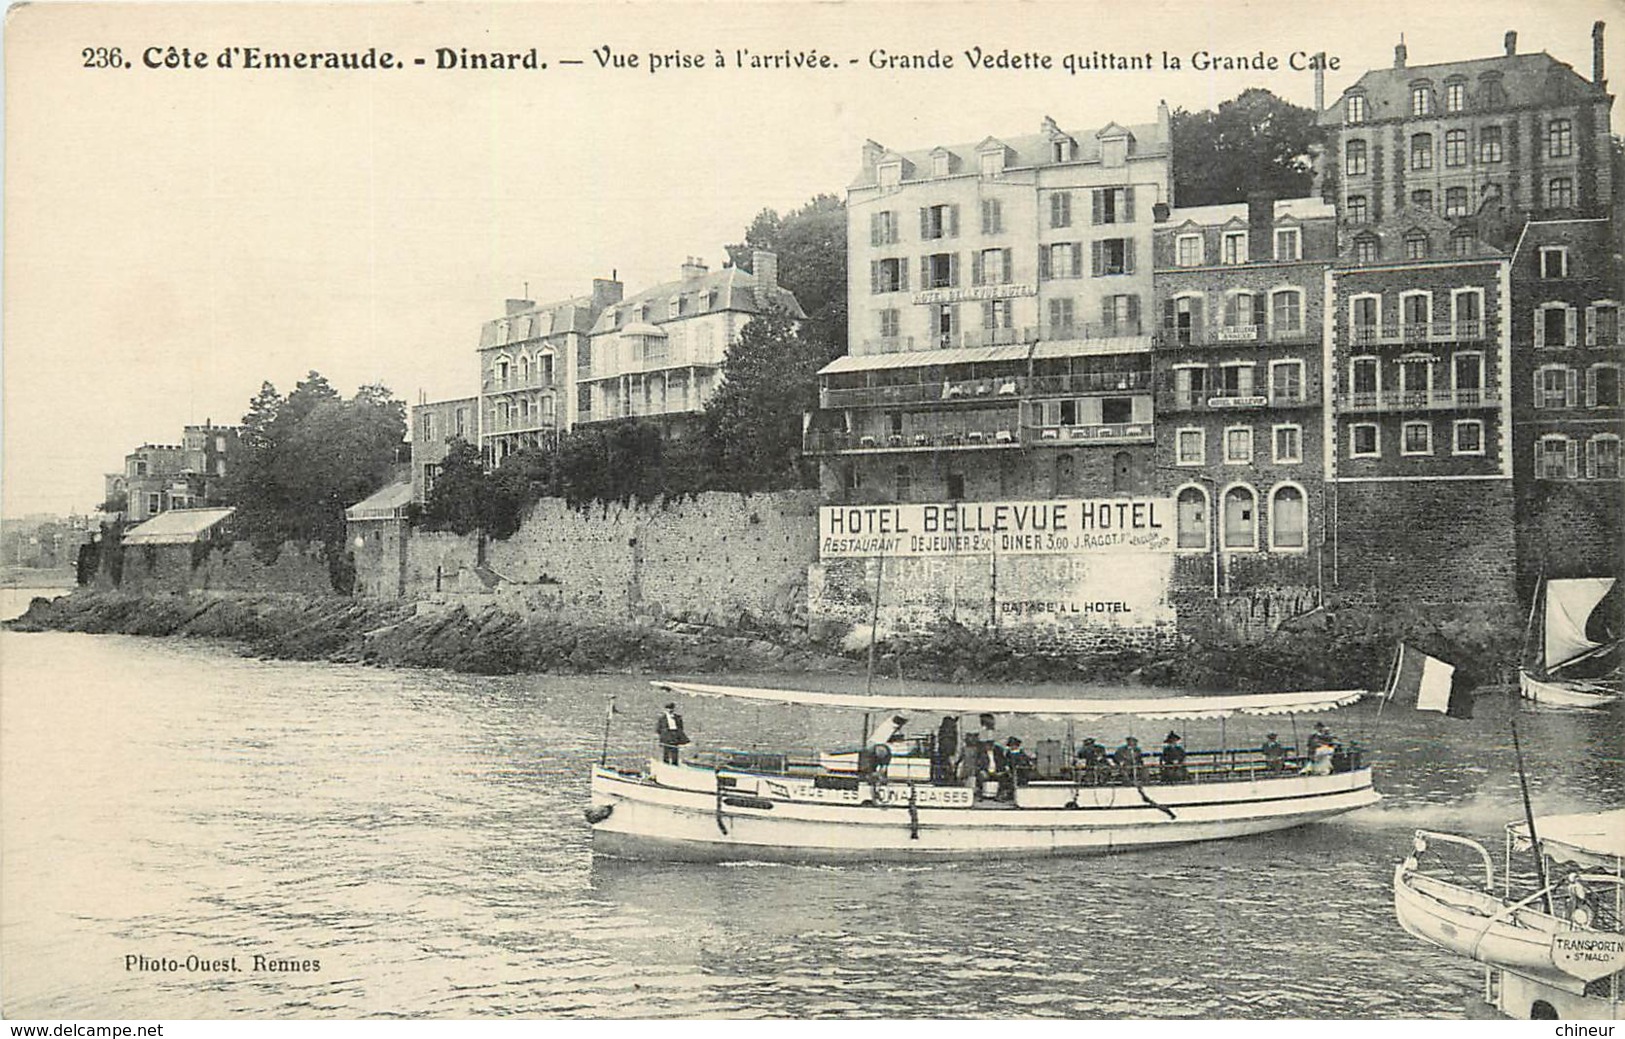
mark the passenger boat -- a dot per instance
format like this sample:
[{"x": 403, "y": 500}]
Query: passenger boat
[
  {"x": 857, "y": 805},
  {"x": 1551, "y": 949},
  {"x": 1565, "y": 643}
]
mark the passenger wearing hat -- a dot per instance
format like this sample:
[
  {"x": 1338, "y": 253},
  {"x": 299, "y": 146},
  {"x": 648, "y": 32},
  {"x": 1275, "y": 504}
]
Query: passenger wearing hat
[
  {"x": 669, "y": 729},
  {"x": 1322, "y": 748},
  {"x": 1173, "y": 759},
  {"x": 1091, "y": 760},
  {"x": 1129, "y": 760},
  {"x": 1016, "y": 770},
  {"x": 1274, "y": 753}
]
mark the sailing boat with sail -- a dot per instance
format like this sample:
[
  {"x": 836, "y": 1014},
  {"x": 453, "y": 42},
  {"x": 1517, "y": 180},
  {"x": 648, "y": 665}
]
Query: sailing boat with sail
[{"x": 1569, "y": 604}]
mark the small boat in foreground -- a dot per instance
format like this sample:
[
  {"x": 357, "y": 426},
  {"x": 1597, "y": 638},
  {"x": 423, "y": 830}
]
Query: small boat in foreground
[
  {"x": 1553, "y": 952},
  {"x": 906, "y": 801},
  {"x": 1569, "y": 604}
]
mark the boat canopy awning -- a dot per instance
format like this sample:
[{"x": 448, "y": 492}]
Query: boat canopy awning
[
  {"x": 1590, "y": 840},
  {"x": 1164, "y": 709},
  {"x": 925, "y": 358}
]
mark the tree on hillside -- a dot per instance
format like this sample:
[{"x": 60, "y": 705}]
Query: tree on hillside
[
  {"x": 754, "y": 418},
  {"x": 811, "y": 246},
  {"x": 1255, "y": 142},
  {"x": 300, "y": 460}
]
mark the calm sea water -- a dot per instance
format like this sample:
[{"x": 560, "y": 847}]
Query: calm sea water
[{"x": 420, "y": 835}]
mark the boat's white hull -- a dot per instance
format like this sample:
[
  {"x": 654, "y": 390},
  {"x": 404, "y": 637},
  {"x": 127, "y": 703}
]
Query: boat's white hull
[
  {"x": 668, "y": 816},
  {"x": 1477, "y": 925},
  {"x": 1470, "y": 923},
  {"x": 1554, "y": 693}
]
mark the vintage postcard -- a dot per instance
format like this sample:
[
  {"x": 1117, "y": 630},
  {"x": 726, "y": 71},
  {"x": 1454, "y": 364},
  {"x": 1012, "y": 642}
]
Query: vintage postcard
[{"x": 902, "y": 510}]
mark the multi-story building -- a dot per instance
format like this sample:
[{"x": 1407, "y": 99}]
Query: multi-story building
[
  {"x": 525, "y": 369},
  {"x": 527, "y": 360},
  {"x": 1567, "y": 356},
  {"x": 160, "y": 477},
  {"x": 1419, "y": 427},
  {"x": 996, "y": 319},
  {"x": 658, "y": 355},
  {"x": 434, "y": 426},
  {"x": 1240, "y": 437},
  {"x": 1521, "y": 134}
]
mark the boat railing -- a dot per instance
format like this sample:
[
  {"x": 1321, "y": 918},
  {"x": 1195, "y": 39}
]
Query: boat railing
[
  {"x": 915, "y": 759},
  {"x": 1423, "y": 837}
]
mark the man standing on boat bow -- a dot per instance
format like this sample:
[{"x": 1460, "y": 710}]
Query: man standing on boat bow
[{"x": 669, "y": 729}]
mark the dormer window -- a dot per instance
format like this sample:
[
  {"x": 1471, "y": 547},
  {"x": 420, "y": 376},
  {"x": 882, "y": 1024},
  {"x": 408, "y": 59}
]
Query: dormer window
[
  {"x": 993, "y": 163},
  {"x": 1063, "y": 149},
  {"x": 1354, "y": 109},
  {"x": 1114, "y": 151},
  {"x": 891, "y": 174},
  {"x": 1288, "y": 243},
  {"x": 1455, "y": 96},
  {"x": 675, "y": 307},
  {"x": 1421, "y": 99},
  {"x": 1494, "y": 92},
  {"x": 941, "y": 164}
]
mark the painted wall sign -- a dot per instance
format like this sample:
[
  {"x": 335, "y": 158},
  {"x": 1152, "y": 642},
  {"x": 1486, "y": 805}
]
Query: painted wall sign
[
  {"x": 975, "y": 292},
  {"x": 1060, "y": 526}
]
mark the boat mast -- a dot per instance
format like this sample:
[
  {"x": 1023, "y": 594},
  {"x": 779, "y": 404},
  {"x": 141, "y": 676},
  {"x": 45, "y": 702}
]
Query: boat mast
[
  {"x": 874, "y": 620},
  {"x": 1529, "y": 625},
  {"x": 1529, "y": 814}
]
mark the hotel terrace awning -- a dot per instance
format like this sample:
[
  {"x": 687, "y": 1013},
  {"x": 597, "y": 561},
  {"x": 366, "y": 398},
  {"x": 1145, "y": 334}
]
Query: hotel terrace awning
[
  {"x": 925, "y": 358},
  {"x": 177, "y": 527},
  {"x": 382, "y": 505}
]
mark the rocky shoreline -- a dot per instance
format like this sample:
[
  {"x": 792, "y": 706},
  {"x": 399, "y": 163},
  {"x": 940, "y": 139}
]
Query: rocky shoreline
[{"x": 1350, "y": 650}]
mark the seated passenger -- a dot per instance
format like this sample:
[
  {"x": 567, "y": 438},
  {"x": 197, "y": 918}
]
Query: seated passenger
[
  {"x": 1129, "y": 761},
  {"x": 1091, "y": 761},
  {"x": 1173, "y": 760},
  {"x": 1274, "y": 753}
]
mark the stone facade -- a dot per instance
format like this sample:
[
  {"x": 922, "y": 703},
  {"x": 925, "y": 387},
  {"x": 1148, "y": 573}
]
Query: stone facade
[{"x": 1567, "y": 360}]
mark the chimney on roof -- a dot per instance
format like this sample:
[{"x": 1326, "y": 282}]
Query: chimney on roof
[
  {"x": 1512, "y": 42},
  {"x": 693, "y": 268},
  {"x": 1260, "y": 225},
  {"x": 1163, "y": 121},
  {"x": 1048, "y": 126},
  {"x": 519, "y": 306},
  {"x": 1320, "y": 82},
  {"x": 1399, "y": 52},
  {"x": 872, "y": 153},
  {"x": 764, "y": 267},
  {"x": 1596, "y": 54},
  {"x": 606, "y": 292}
]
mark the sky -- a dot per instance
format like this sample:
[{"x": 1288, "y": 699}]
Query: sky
[{"x": 176, "y": 236}]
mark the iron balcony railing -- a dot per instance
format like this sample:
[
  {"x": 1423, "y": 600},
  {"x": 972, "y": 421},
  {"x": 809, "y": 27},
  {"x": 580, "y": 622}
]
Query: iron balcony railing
[
  {"x": 1111, "y": 336},
  {"x": 1173, "y": 337},
  {"x": 1095, "y": 433},
  {"x": 1416, "y": 332},
  {"x": 816, "y": 443},
  {"x": 1419, "y": 400},
  {"x": 994, "y": 389}
]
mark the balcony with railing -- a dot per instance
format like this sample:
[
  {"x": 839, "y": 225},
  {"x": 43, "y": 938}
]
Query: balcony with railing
[
  {"x": 1093, "y": 433},
  {"x": 992, "y": 390},
  {"x": 835, "y": 443},
  {"x": 1088, "y": 337},
  {"x": 1172, "y": 337},
  {"x": 1445, "y": 399},
  {"x": 1417, "y": 332},
  {"x": 519, "y": 423},
  {"x": 493, "y": 383}
]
